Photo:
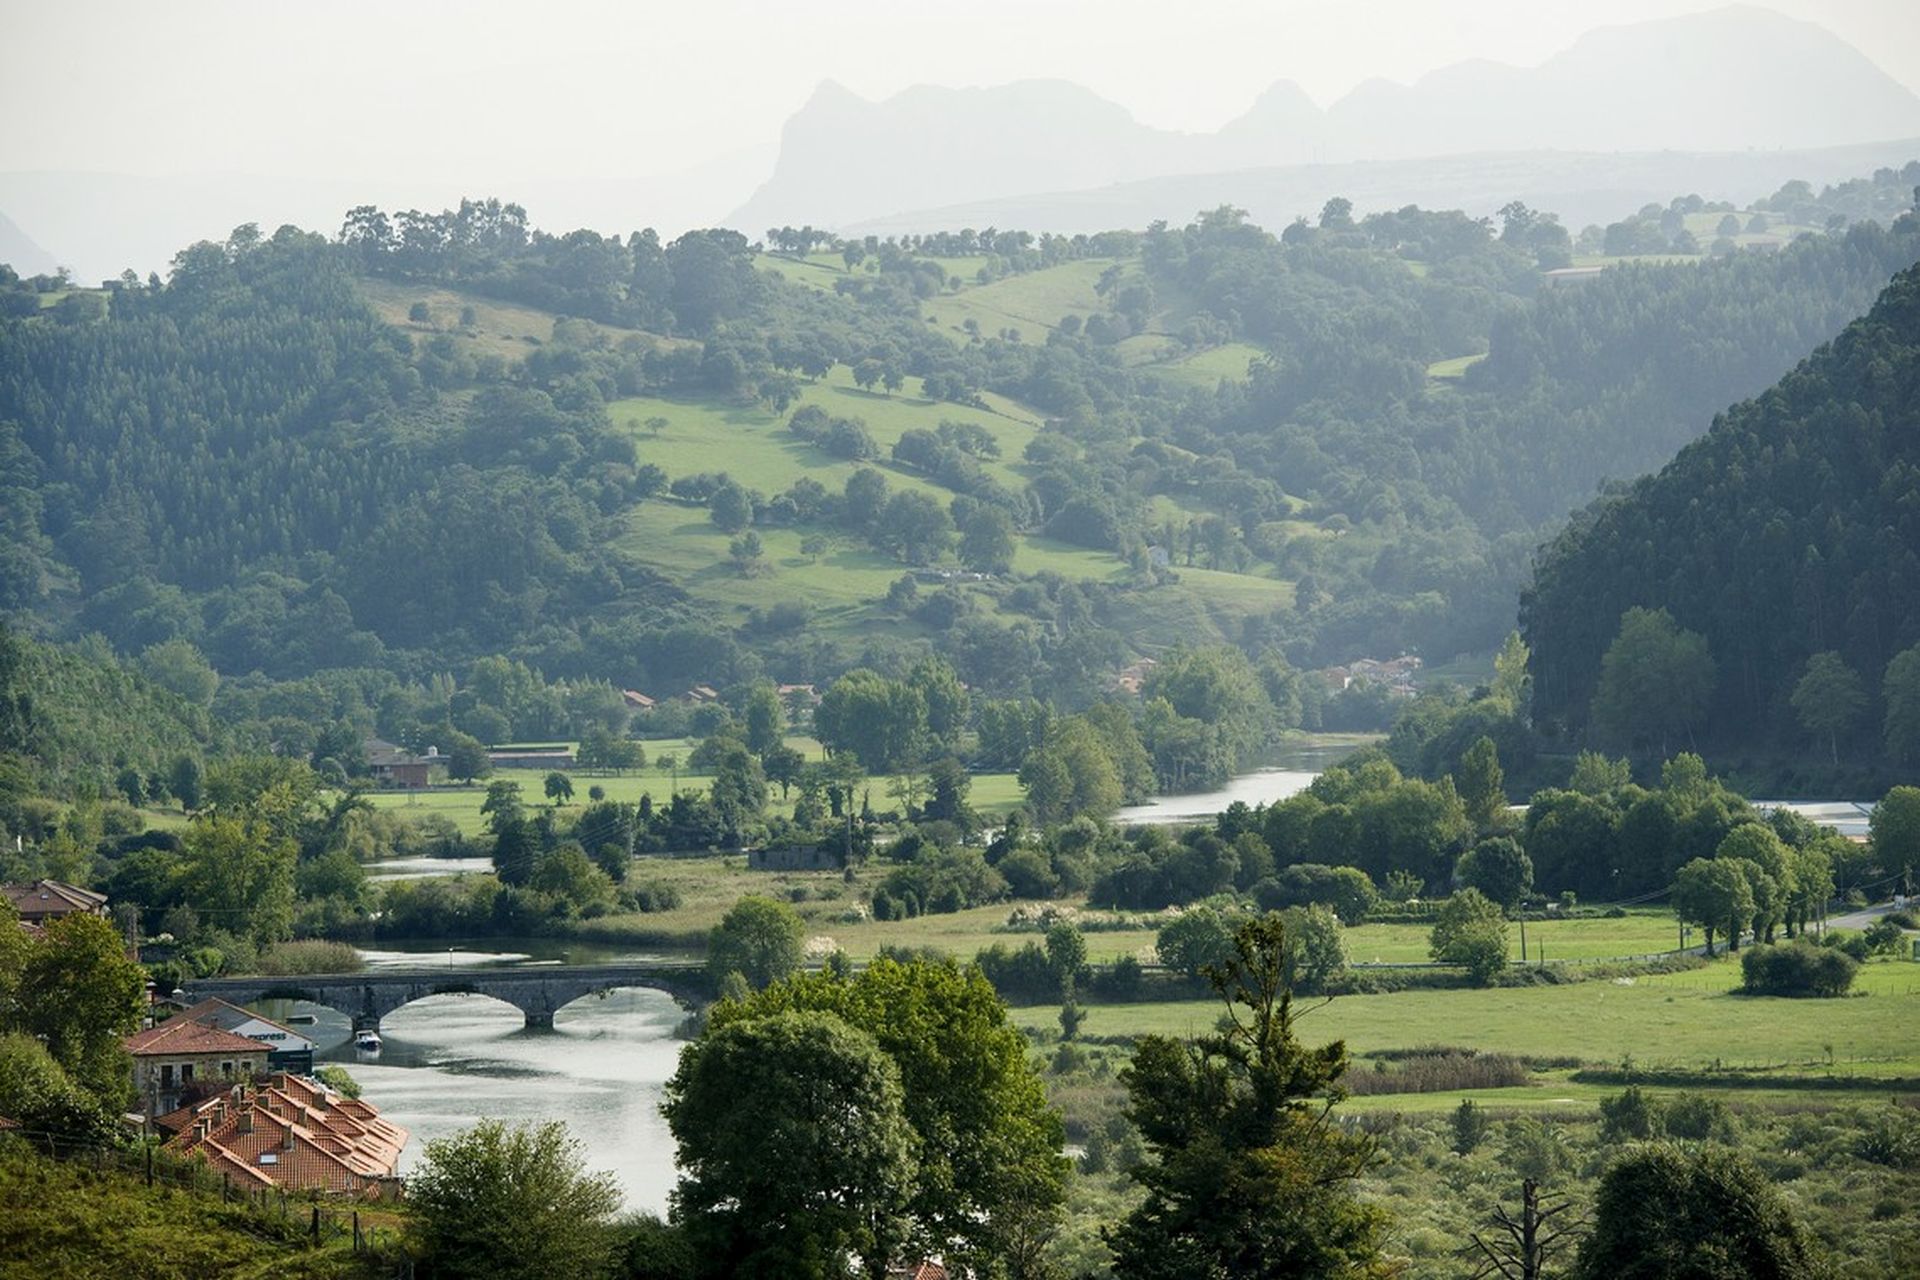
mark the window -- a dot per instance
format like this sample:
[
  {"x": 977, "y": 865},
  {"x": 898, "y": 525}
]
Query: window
[
  {"x": 226, "y": 1068},
  {"x": 166, "y": 1075},
  {"x": 186, "y": 1072}
]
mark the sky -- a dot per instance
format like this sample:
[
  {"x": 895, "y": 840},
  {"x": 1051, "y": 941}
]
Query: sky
[{"x": 488, "y": 91}]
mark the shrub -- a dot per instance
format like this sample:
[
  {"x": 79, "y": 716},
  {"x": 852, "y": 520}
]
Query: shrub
[
  {"x": 1629, "y": 1117},
  {"x": 1698, "y": 1117},
  {"x": 309, "y": 955},
  {"x": 1797, "y": 968}
]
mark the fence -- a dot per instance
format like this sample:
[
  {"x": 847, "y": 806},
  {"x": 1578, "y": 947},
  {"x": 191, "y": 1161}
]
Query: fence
[{"x": 274, "y": 1215}]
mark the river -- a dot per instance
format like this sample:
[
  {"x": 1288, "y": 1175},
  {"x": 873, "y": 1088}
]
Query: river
[
  {"x": 1292, "y": 772},
  {"x": 448, "y": 1061}
]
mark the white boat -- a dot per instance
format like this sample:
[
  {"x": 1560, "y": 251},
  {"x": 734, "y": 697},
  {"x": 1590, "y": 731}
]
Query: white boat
[{"x": 367, "y": 1040}]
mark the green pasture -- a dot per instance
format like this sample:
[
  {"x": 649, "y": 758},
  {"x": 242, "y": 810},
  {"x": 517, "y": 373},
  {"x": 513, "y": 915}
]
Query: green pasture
[
  {"x": 1639, "y": 933},
  {"x": 1204, "y": 369},
  {"x": 502, "y": 329},
  {"x": 751, "y": 442},
  {"x": 1033, "y": 303},
  {"x": 1455, "y": 368},
  {"x": 1676, "y": 1020}
]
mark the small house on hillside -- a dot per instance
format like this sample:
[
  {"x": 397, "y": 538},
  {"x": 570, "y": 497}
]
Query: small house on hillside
[
  {"x": 637, "y": 701},
  {"x": 294, "y": 1133},
  {"x": 177, "y": 1061},
  {"x": 44, "y": 901}
]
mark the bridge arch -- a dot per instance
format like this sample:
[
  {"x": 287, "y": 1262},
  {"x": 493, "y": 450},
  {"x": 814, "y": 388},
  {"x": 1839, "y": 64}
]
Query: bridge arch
[{"x": 538, "y": 991}]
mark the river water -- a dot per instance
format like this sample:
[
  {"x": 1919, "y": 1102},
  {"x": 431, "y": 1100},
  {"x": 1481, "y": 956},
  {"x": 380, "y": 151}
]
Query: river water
[
  {"x": 449, "y": 1061},
  {"x": 1292, "y": 772}
]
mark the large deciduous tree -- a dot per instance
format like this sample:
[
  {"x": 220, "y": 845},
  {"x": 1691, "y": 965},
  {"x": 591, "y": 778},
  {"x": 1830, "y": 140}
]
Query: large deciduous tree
[
  {"x": 795, "y": 1153},
  {"x": 1249, "y": 1176},
  {"x": 516, "y": 1203},
  {"x": 1894, "y": 833},
  {"x": 1828, "y": 699},
  {"x": 989, "y": 1180},
  {"x": 1664, "y": 1213},
  {"x": 1656, "y": 680},
  {"x": 759, "y": 939}
]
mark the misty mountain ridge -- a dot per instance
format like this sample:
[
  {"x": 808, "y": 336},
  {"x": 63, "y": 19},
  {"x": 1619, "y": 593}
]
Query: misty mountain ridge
[{"x": 1731, "y": 80}]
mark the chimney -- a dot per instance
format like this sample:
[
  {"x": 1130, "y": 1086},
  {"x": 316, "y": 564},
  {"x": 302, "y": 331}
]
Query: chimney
[{"x": 246, "y": 1120}]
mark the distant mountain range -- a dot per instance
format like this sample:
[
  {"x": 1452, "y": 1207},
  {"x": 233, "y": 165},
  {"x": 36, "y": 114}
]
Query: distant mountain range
[
  {"x": 1727, "y": 103},
  {"x": 1583, "y": 187},
  {"x": 1728, "y": 81}
]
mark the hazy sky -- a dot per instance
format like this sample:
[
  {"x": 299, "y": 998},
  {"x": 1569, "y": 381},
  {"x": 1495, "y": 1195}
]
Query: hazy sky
[{"x": 410, "y": 90}]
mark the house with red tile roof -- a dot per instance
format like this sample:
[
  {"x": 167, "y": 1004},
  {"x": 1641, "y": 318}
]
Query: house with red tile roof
[
  {"x": 287, "y": 1049},
  {"x": 294, "y": 1133},
  {"x": 179, "y": 1059},
  {"x": 47, "y": 900}
]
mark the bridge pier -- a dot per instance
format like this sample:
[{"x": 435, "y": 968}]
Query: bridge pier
[
  {"x": 539, "y": 1020},
  {"x": 366, "y": 1022}
]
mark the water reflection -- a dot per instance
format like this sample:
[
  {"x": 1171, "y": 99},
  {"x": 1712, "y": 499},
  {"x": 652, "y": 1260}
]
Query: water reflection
[{"x": 449, "y": 1061}]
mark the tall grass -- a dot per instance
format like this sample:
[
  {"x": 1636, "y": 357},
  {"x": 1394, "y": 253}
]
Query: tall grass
[{"x": 309, "y": 955}]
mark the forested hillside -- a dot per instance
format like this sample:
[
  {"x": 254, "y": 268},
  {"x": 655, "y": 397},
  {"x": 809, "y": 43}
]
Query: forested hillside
[
  {"x": 357, "y": 478},
  {"x": 1784, "y": 548}
]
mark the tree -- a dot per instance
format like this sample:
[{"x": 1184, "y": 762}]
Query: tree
[
  {"x": 1481, "y": 785},
  {"x": 765, "y": 718},
  {"x": 467, "y": 758},
  {"x": 1713, "y": 893},
  {"x": 1900, "y": 690},
  {"x": 1529, "y": 1240},
  {"x": 747, "y": 552},
  {"x": 559, "y": 787},
  {"x": 76, "y": 991},
  {"x": 1655, "y": 680},
  {"x": 1316, "y": 948},
  {"x": 1469, "y": 1126},
  {"x": 1471, "y": 931},
  {"x": 1893, "y": 832},
  {"x": 502, "y": 807},
  {"x": 991, "y": 1180},
  {"x": 1066, "y": 954},
  {"x": 739, "y": 790},
  {"x": 1194, "y": 941},
  {"x": 1248, "y": 1175},
  {"x": 177, "y": 666},
  {"x": 186, "y": 781},
  {"x": 794, "y": 1147},
  {"x": 240, "y": 871},
  {"x": 878, "y": 721},
  {"x": 730, "y": 508},
  {"x": 986, "y": 540},
  {"x": 1828, "y": 699},
  {"x": 758, "y": 938},
  {"x": 1499, "y": 868},
  {"x": 1667, "y": 1213},
  {"x": 512, "y": 1202}
]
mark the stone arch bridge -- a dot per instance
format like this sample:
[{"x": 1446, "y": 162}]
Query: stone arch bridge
[{"x": 538, "y": 991}]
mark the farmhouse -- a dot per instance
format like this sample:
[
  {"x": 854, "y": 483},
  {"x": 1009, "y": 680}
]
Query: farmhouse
[
  {"x": 176, "y": 1061},
  {"x": 396, "y": 767},
  {"x": 637, "y": 701},
  {"x": 291, "y": 1132},
  {"x": 48, "y": 900}
]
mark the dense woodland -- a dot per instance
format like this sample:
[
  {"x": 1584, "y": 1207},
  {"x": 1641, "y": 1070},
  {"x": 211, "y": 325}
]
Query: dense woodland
[{"x": 1801, "y": 504}]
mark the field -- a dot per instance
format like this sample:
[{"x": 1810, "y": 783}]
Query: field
[
  {"x": 503, "y": 329},
  {"x": 993, "y": 794},
  {"x": 1672, "y": 1020}
]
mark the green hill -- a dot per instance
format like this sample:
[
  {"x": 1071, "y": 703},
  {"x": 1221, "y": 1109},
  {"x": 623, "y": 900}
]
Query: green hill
[{"x": 1791, "y": 529}]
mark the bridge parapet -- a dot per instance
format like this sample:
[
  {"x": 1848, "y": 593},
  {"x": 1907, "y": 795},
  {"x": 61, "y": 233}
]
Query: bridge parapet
[{"x": 538, "y": 991}]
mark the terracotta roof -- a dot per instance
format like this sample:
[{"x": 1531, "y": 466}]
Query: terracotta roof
[
  {"x": 294, "y": 1132},
  {"x": 183, "y": 1035}
]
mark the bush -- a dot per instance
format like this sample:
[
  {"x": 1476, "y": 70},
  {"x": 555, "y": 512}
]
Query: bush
[
  {"x": 309, "y": 955},
  {"x": 1797, "y": 969}
]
